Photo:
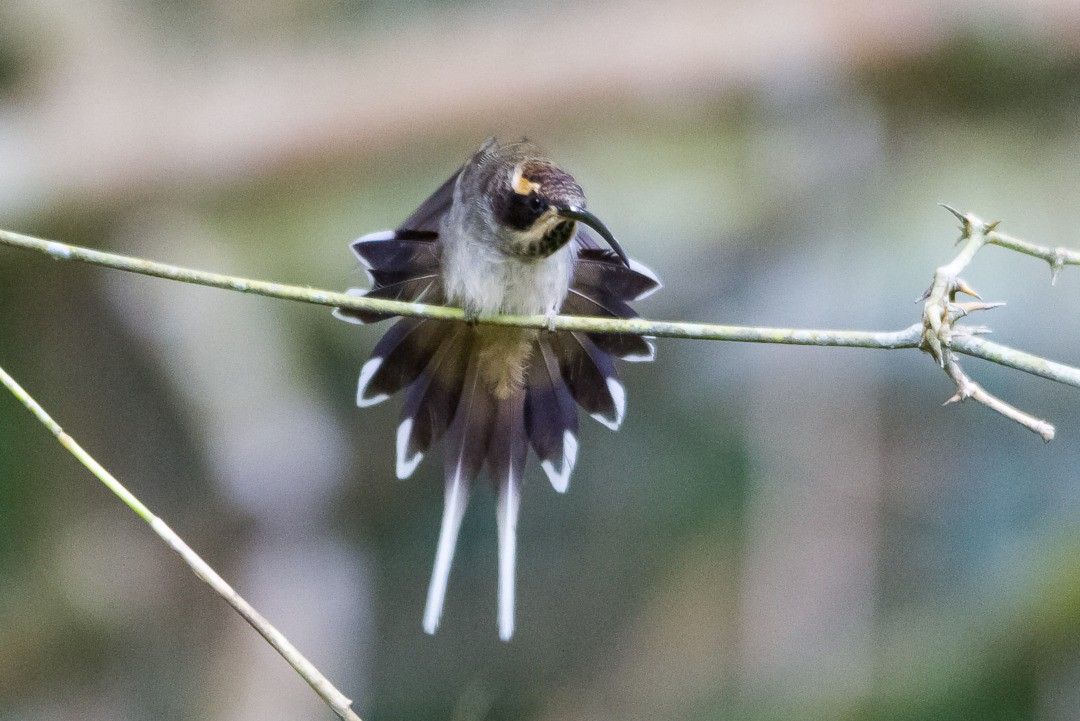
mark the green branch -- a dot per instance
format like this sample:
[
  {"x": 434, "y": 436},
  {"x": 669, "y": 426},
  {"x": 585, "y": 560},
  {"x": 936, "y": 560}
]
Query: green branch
[
  {"x": 913, "y": 336},
  {"x": 906, "y": 338},
  {"x": 639, "y": 326}
]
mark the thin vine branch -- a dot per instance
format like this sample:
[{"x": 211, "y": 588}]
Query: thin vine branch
[
  {"x": 906, "y": 338},
  {"x": 1058, "y": 258},
  {"x": 937, "y": 333},
  {"x": 336, "y": 700},
  {"x": 910, "y": 337}
]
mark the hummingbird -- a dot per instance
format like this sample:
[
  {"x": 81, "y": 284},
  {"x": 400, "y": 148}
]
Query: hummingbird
[{"x": 508, "y": 233}]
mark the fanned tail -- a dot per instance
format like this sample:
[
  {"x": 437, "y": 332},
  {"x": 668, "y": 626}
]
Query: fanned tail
[{"x": 463, "y": 383}]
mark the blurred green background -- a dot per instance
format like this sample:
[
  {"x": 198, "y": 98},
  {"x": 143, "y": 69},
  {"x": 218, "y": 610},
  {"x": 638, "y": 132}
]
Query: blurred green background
[{"x": 775, "y": 533}]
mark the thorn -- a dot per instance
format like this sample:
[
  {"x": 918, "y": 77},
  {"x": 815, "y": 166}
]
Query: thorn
[
  {"x": 990, "y": 227},
  {"x": 963, "y": 287},
  {"x": 958, "y": 310},
  {"x": 926, "y": 294},
  {"x": 955, "y": 398},
  {"x": 967, "y": 308},
  {"x": 965, "y": 227},
  {"x": 954, "y": 211},
  {"x": 1055, "y": 266}
]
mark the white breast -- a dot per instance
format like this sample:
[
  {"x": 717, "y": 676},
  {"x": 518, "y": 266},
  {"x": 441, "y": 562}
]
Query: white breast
[{"x": 484, "y": 281}]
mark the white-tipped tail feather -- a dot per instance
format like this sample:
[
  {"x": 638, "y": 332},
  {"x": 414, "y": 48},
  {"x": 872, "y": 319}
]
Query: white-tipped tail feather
[
  {"x": 618, "y": 397},
  {"x": 366, "y": 374},
  {"x": 457, "y": 498},
  {"x": 406, "y": 465},
  {"x": 642, "y": 357},
  {"x": 560, "y": 477},
  {"x": 507, "y": 515}
]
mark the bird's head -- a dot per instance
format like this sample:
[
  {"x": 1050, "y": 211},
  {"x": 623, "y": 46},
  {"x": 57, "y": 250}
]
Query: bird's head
[{"x": 538, "y": 204}]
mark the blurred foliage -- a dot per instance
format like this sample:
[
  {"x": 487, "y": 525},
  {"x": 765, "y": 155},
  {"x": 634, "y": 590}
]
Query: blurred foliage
[
  {"x": 977, "y": 74},
  {"x": 803, "y": 197}
]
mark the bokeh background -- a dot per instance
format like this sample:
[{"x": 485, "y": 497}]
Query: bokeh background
[{"x": 775, "y": 533}]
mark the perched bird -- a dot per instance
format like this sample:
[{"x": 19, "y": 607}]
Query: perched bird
[{"x": 508, "y": 233}]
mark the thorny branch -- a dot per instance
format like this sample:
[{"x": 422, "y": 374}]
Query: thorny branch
[{"x": 941, "y": 311}]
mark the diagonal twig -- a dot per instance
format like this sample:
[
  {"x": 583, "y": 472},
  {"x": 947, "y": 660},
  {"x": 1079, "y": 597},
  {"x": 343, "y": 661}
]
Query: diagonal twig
[
  {"x": 967, "y": 388},
  {"x": 336, "y": 700}
]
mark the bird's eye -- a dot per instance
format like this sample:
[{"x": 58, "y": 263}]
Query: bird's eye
[{"x": 521, "y": 211}]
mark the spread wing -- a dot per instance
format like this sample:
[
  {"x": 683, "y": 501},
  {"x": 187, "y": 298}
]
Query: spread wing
[
  {"x": 603, "y": 286},
  {"x": 427, "y": 217},
  {"x": 403, "y": 264}
]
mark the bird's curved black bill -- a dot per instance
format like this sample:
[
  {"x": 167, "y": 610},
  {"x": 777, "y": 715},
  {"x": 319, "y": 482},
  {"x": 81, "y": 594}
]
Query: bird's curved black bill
[{"x": 583, "y": 216}]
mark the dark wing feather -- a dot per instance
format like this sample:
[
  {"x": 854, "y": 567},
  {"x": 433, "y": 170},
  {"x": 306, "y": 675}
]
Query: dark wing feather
[
  {"x": 429, "y": 215},
  {"x": 600, "y": 304},
  {"x": 398, "y": 260},
  {"x": 599, "y": 269},
  {"x": 405, "y": 269},
  {"x": 390, "y": 251},
  {"x": 601, "y": 286},
  {"x": 418, "y": 289}
]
